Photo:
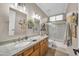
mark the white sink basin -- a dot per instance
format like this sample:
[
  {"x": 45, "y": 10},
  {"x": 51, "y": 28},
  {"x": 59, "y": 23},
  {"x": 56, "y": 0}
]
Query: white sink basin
[
  {"x": 22, "y": 44},
  {"x": 33, "y": 38}
]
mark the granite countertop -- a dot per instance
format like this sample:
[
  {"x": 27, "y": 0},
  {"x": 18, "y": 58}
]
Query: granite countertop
[{"x": 15, "y": 47}]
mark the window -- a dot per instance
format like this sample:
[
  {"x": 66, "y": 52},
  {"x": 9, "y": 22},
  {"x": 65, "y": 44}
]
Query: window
[
  {"x": 56, "y": 18},
  {"x": 52, "y": 18},
  {"x": 59, "y": 17}
]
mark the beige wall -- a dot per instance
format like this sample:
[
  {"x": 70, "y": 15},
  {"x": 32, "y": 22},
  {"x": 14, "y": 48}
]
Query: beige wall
[
  {"x": 78, "y": 26},
  {"x": 72, "y": 7},
  {"x": 4, "y": 11},
  {"x": 3, "y": 27},
  {"x": 31, "y": 7},
  {"x": 4, "y": 8}
]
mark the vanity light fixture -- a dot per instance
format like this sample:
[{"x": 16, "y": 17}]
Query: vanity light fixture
[
  {"x": 24, "y": 8},
  {"x": 36, "y": 16},
  {"x": 16, "y": 4},
  {"x": 33, "y": 16}
]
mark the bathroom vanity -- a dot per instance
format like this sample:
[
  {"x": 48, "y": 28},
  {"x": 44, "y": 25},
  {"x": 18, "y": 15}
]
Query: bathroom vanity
[
  {"x": 38, "y": 49},
  {"x": 34, "y": 47}
]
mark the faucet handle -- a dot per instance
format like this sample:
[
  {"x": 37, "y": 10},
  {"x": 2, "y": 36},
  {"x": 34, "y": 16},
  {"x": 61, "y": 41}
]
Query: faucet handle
[
  {"x": 19, "y": 39},
  {"x": 26, "y": 37}
]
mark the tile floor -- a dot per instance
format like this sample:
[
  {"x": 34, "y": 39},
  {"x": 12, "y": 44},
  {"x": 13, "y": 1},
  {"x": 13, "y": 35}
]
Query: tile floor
[{"x": 54, "y": 52}]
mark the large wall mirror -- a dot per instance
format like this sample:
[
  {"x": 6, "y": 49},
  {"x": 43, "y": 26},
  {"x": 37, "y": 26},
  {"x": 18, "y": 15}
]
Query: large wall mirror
[
  {"x": 17, "y": 23},
  {"x": 33, "y": 26}
]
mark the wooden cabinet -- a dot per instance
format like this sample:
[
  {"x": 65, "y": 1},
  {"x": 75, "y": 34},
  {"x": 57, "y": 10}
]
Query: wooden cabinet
[
  {"x": 43, "y": 47},
  {"x": 36, "y": 52},
  {"x": 46, "y": 45},
  {"x": 36, "y": 46},
  {"x": 4, "y": 9},
  {"x": 19, "y": 54},
  {"x": 42, "y": 50},
  {"x": 28, "y": 52},
  {"x": 39, "y": 49}
]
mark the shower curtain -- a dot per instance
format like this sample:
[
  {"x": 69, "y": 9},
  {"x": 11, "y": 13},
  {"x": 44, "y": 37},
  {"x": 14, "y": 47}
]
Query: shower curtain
[
  {"x": 60, "y": 31},
  {"x": 57, "y": 30},
  {"x": 68, "y": 34}
]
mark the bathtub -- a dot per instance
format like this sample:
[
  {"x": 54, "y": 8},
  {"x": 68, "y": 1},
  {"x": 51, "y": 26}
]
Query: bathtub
[
  {"x": 55, "y": 44},
  {"x": 60, "y": 46}
]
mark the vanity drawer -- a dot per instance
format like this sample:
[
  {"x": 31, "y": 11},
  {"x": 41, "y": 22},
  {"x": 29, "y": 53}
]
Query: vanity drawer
[{"x": 28, "y": 52}]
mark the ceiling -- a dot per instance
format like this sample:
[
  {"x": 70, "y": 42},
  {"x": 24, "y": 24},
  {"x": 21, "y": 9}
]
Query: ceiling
[{"x": 52, "y": 8}]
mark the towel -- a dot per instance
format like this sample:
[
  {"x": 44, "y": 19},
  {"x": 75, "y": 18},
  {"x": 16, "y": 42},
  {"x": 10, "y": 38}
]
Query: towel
[{"x": 68, "y": 35}]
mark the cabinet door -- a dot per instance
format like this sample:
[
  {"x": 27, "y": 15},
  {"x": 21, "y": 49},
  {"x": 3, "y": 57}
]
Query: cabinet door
[
  {"x": 43, "y": 47},
  {"x": 35, "y": 53},
  {"x": 36, "y": 46},
  {"x": 19, "y": 55},
  {"x": 46, "y": 45},
  {"x": 42, "y": 50},
  {"x": 28, "y": 52}
]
